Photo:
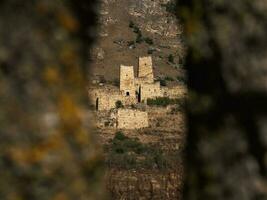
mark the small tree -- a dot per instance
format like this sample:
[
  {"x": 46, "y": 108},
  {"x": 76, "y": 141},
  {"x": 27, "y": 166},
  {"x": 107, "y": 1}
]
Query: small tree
[
  {"x": 168, "y": 78},
  {"x": 150, "y": 51},
  {"x": 171, "y": 7},
  {"x": 130, "y": 43},
  {"x": 171, "y": 58},
  {"x": 139, "y": 38},
  {"x": 131, "y": 24},
  {"x": 119, "y": 104},
  {"x": 148, "y": 40},
  {"x": 162, "y": 82},
  {"x": 116, "y": 82},
  {"x": 120, "y": 136}
]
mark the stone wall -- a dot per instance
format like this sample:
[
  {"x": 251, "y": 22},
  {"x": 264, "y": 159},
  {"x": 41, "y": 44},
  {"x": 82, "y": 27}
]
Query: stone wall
[
  {"x": 127, "y": 80},
  {"x": 151, "y": 90},
  {"x": 140, "y": 81},
  {"x": 174, "y": 92},
  {"x": 145, "y": 69},
  {"x": 132, "y": 119},
  {"x": 105, "y": 98},
  {"x": 108, "y": 101}
]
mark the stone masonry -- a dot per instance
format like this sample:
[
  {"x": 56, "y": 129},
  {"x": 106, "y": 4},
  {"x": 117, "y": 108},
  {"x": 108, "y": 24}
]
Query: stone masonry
[
  {"x": 132, "y": 119},
  {"x": 132, "y": 91},
  {"x": 127, "y": 86},
  {"x": 145, "y": 69}
]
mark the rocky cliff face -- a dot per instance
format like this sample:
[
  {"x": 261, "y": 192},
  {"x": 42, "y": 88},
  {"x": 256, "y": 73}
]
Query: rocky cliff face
[{"x": 129, "y": 29}]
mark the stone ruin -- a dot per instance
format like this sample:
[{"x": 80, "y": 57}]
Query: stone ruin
[{"x": 132, "y": 91}]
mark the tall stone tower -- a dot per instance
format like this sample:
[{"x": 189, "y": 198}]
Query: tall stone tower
[
  {"x": 145, "y": 69},
  {"x": 127, "y": 80}
]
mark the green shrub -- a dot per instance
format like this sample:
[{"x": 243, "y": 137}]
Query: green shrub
[
  {"x": 133, "y": 106},
  {"x": 120, "y": 136},
  {"x": 116, "y": 82},
  {"x": 171, "y": 58},
  {"x": 139, "y": 38},
  {"x": 168, "y": 78},
  {"x": 102, "y": 79},
  {"x": 170, "y": 7},
  {"x": 130, "y": 43},
  {"x": 119, "y": 104},
  {"x": 136, "y": 30},
  {"x": 162, "y": 101},
  {"x": 150, "y": 51},
  {"x": 163, "y": 82},
  {"x": 160, "y": 160},
  {"x": 181, "y": 79},
  {"x": 148, "y": 40},
  {"x": 131, "y": 24},
  {"x": 124, "y": 152}
]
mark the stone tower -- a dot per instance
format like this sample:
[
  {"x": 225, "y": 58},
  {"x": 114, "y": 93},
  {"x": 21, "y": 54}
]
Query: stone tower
[
  {"x": 127, "y": 86},
  {"x": 145, "y": 69}
]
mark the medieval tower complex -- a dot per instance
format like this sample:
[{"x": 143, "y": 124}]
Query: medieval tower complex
[
  {"x": 127, "y": 86},
  {"x": 132, "y": 91},
  {"x": 145, "y": 69}
]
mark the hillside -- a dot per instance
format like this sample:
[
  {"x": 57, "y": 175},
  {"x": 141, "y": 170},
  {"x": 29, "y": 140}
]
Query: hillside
[{"x": 129, "y": 29}]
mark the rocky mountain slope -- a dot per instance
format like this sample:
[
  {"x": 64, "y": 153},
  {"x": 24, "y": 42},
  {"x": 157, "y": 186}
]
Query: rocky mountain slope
[{"x": 129, "y": 29}]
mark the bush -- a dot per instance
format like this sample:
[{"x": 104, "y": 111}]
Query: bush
[
  {"x": 130, "y": 43},
  {"x": 139, "y": 38},
  {"x": 119, "y": 104},
  {"x": 133, "y": 106},
  {"x": 131, "y": 24},
  {"x": 181, "y": 79},
  {"x": 171, "y": 58},
  {"x": 170, "y": 7},
  {"x": 150, "y": 51},
  {"x": 116, "y": 82},
  {"x": 120, "y": 136},
  {"x": 124, "y": 152},
  {"x": 163, "y": 82},
  {"x": 102, "y": 79},
  {"x": 136, "y": 30},
  {"x": 168, "y": 78},
  {"x": 162, "y": 101},
  {"x": 149, "y": 41}
]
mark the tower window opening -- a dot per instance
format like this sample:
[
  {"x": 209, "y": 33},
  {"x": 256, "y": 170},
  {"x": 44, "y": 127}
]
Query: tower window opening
[{"x": 127, "y": 93}]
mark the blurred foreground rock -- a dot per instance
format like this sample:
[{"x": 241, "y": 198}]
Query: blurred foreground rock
[
  {"x": 227, "y": 113},
  {"x": 47, "y": 149}
]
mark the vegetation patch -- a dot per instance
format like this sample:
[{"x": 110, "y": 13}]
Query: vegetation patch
[
  {"x": 148, "y": 41},
  {"x": 171, "y": 58},
  {"x": 181, "y": 79},
  {"x": 170, "y": 7},
  {"x": 119, "y": 104},
  {"x": 168, "y": 78},
  {"x": 131, "y": 44},
  {"x": 116, "y": 82},
  {"x": 163, "y": 101},
  {"x": 151, "y": 51},
  {"x": 129, "y": 153},
  {"x": 139, "y": 36},
  {"x": 162, "y": 82}
]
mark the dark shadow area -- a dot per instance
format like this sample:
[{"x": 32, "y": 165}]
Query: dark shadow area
[
  {"x": 226, "y": 110},
  {"x": 47, "y": 146}
]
